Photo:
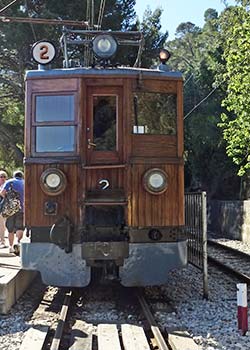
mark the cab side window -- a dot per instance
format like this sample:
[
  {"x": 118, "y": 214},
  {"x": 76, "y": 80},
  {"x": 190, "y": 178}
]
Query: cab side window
[{"x": 54, "y": 124}]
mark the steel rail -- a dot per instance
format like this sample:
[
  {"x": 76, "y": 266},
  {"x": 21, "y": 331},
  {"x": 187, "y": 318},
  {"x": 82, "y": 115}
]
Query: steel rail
[
  {"x": 224, "y": 266},
  {"x": 227, "y": 268},
  {"x": 162, "y": 345},
  {"x": 230, "y": 249},
  {"x": 61, "y": 322}
]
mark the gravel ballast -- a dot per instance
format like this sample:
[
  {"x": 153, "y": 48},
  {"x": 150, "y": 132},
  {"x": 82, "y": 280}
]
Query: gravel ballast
[{"x": 212, "y": 323}]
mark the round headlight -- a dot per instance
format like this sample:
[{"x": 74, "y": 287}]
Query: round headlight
[
  {"x": 104, "y": 46},
  {"x": 155, "y": 181},
  {"x": 164, "y": 56},
  {"x": 53, "y": 181}
]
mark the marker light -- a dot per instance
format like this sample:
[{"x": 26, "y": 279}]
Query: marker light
[
  {"x": 155, "y": 235},
  {"x": 53, "y": 181},
  {"x": 104, "y": 46},
  {"x": 164, "y": 56},
  {"x": 155, "y": 181}
]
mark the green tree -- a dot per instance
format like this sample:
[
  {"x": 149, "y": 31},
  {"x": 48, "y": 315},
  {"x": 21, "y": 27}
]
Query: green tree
[
  {"x": 197, "y": 52},
  {"x": 235, "y": 26},
  {"x": 154, "y": 38}
]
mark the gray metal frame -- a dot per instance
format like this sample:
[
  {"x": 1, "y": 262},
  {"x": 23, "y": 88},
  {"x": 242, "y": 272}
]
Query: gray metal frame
[
  {"x": 85, "y": 37},
  {"x": 196, "y": 230}
]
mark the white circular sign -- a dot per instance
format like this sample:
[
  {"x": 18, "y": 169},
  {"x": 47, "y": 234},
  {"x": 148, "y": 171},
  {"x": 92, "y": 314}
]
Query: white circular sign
[{"x": 43, "y": 52}]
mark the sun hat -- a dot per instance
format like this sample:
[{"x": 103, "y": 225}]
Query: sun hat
[{"x": 19, "y": 174}]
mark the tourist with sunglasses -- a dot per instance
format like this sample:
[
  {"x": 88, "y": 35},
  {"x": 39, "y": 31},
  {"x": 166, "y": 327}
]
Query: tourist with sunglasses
[{"x": 3, "y": 178}]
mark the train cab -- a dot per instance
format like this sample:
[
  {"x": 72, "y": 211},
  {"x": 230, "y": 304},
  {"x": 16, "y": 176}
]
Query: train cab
[{"x": 104, "y": 174}]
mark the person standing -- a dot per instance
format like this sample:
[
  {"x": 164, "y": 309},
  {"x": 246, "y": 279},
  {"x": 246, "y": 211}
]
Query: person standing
[
  {"x": 3, "y": 178},
  {"x": 14, "y": 223}
]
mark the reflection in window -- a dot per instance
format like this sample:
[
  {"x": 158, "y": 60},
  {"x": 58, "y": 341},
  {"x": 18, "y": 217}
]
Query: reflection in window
[
  {"x": 54, "y": 108},
  {"x": 55, "y": 139},
  {"x": 104, "y": 122},
  {"x": 154, "y": 113}
]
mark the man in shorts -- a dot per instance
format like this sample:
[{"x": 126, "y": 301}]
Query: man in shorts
[{"x": 14, "y": 223}]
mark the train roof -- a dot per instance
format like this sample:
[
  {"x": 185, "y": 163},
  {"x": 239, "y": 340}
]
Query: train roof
[{"x": 118, "y": 71}]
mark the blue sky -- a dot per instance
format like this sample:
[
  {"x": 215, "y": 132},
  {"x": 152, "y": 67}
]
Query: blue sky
[{"x": 178, "y": 11}]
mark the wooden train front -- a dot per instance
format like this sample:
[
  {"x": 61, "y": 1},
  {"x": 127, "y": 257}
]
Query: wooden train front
[{"x": 104, "y": 175}]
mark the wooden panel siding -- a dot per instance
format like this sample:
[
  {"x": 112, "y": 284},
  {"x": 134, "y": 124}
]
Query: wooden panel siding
[
  {"x": 116, "y": 178},
  {"x": 180, "y": 145},
  {"x": 154, "y": 145},
  {"x": 156, "y": 210},
  {"x": 54, "y": 84},
  {"x": 68, "y": 202},
  {"x": 124, "y": 169}
]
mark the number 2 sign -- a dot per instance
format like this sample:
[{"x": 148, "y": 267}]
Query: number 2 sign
[{"x": 43, "y": 52}]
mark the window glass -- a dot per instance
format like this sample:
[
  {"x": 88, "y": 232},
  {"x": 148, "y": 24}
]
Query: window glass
[
  {"x": 154, "y": 113},
  {"x": 104, "y": 122},
  {"x": 54, "y": 108},
  {"x": 55, "y": 139}
]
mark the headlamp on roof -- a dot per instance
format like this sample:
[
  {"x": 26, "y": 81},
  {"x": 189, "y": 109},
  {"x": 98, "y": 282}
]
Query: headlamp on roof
[
  {"x": 104, "y": 46},
  {"x": 164, "y": 56}
]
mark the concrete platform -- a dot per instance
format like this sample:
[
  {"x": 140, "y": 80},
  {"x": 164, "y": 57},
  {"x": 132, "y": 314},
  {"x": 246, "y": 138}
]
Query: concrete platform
[{"x": 13, "y": 280}]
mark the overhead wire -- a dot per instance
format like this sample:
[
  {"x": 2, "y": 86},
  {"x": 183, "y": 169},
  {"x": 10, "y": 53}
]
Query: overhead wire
[
  {"x": 209, "y": 94},
  {"x": 86, "y": 48},
  {"x": 31, "y": 24},
  {"x": 92, "y": 14},
  {"x": 7, "y": 6},
  {"x": 90, "y": 17},
  {"x": 12, "y": 3},
  {"x": 101, "y": 14},
  {"x": 186, "y": 81}
]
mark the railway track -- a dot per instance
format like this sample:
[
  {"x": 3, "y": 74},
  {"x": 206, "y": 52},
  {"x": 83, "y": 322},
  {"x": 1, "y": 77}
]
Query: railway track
[
  {"x": 230, "y": 260},
  {"x": 74, "y": 333}
]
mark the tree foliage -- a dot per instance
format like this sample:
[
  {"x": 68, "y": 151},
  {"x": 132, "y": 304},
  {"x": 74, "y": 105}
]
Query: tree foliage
[
  {"x": 197, "y": 53},
  {"x": 235, "y": 26},
  {"x": 154, "y": 38}
]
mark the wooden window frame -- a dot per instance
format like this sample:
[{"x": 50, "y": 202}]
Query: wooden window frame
[{"x": 35, "y": 124}]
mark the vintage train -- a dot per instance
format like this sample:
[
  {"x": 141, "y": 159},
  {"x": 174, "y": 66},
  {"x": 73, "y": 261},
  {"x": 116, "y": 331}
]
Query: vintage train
[{"x": 104, "y": 169}]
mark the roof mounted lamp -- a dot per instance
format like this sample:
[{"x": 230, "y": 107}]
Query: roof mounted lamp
[
  {"x": 104, "y": 46},
  {"x": 164, "y": 56}
]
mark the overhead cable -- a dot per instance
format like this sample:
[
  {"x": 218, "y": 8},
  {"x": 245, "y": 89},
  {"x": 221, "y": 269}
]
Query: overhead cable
[
  {"x": 101, "y": 13},
  {"x": 7, "y": 6}
]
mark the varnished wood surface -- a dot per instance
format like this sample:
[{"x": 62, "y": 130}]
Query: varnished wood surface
[
  {"x": 154, "y": 145},
  {"x": 124, "y": 169},
  {"x": 55, "y": 84},
  {"x": 116, "y": 178},
  {"x": 35, "y": 197},
  {"x": 151, "y": 210}
]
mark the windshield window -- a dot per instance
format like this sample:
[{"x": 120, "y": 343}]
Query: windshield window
[{"x": 154, "y": 113}]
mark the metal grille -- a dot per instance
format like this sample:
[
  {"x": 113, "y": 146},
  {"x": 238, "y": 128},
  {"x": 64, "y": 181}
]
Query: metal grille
[
  {"x": 196, "y": 230},
  {"x": 195, "y": 206}
]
